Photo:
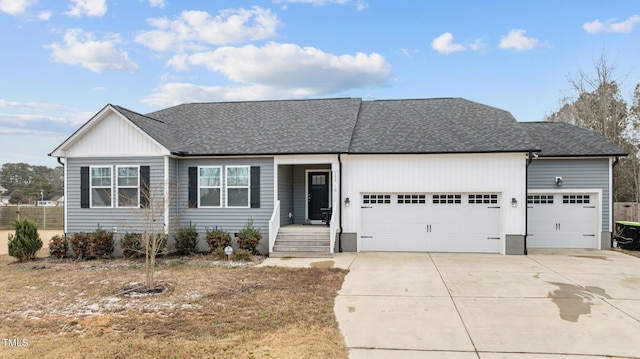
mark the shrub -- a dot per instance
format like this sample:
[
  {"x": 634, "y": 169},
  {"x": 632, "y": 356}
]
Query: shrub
[
  {"x": 219, "y": 253},
  {"x": 249, "y": 237},
  {"x": 101, "y": 243},
  {"x": 242, "y": 255},
  {"x": 80, "y": 245},
  {"x": 58, "y": 246},
  {"x": 131, "y": 244},
  {"x": 186, "y": 240},
  {"x": 25, "y": 242},
  {"x": 218, "y": 238}
]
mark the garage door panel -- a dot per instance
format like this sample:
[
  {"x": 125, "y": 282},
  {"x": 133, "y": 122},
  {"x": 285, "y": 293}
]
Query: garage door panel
[
  {"x": 434, "y": 222},
  {"x": 562, "y": 221}
]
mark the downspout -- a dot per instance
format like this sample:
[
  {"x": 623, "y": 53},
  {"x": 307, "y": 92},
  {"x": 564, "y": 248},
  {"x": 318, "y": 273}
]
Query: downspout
[
  {"x": 612, "y": 225},
  {"x": 526, "y": 207},
  {"x": 340, "y": 203}
]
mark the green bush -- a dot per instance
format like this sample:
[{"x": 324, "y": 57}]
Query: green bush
[
  {"x": 25, "y": 242},
  {"x": 131, "y": 244},
  {"x": 218, "y": 238},
  {"x": 219, "y": 253},
  {"x": 80, "y": 245},
  {"x": 186, "y": 240},
  {"x": 101, "y": 243},
  {"x": 249, "y": 237},
  {"x": 58, "y": 246}
]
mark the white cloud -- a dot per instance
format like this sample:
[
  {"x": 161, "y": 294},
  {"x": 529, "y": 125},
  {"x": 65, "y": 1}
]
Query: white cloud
[
  {"x": 444, "y": 44},
  {"x": 516, "y": 40},
  {"x": 360, "y": 4},
  {"x": 289, "y": 66},
  {"x": 82, "y": 49},
  {"x": 29, "y": 105},
  {"x": 611, "y": 25},
  {"x": 93, "y": 8},
  {"x": 14, "y": 7},
  {"x": 193, "y": 30},
  {"x": 45, "y": 15},
  {"x": 275, "y": 71},
  {"x": 156, "y": 3}
]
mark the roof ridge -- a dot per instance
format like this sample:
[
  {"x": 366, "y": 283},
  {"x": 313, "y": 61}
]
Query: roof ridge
[{"x": 137, "y": 113}]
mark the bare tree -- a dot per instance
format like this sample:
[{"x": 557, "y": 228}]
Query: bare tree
[{"x": 597, "y": 104}]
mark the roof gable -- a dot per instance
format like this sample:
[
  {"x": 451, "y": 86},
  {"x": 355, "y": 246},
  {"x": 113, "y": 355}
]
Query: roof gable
[
  {"x": 560, "y": 139},
  {"x": 109, "y": 133}
]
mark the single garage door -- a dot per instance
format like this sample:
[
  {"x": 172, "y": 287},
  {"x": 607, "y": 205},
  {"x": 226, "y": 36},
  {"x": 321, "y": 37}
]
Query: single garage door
[
  {"x": 449, "y": 222},
  {"x": 562, "y": 220}
]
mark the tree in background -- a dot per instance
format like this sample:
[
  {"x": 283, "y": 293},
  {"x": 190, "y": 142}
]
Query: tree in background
[
  {"x": 598, "y": 105},
  {"x": 24, "y": 182}
]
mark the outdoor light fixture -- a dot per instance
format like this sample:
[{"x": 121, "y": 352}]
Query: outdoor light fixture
[
  {"x": 514, "y": 202},
  {"x": 559, "y": 181},
  {"x": 347, "y": 202}
]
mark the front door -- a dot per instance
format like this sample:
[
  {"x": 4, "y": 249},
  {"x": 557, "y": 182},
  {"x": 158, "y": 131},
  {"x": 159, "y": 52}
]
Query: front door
[{"x": 317, "y": 195}]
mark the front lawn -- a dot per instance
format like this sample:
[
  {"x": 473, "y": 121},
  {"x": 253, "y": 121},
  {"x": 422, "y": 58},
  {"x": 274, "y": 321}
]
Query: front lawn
[{"x": 66, "y": 309}]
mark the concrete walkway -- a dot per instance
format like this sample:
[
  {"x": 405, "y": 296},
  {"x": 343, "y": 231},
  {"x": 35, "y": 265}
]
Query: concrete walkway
[{"x": 549, "y": 304}]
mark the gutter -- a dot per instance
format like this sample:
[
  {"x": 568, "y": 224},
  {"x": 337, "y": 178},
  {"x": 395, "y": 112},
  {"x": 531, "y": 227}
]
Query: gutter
[{"x": 64, "y": 193}]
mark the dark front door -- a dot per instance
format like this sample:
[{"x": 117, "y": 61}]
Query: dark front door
[{"x": 318, "y": 196}]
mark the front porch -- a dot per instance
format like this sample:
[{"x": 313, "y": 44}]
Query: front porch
[{"x": 305, "y": 187}]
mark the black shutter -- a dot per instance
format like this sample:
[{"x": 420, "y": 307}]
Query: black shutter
[
  {"x": 193, "y": 187},
  {"x": 84, "y": 187},
  {"x": 255, "y": 187},
  {"x": 144, "y": 186}
]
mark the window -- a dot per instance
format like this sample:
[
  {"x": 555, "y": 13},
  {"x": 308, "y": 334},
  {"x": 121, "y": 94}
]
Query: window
[
  {"x": 577, "y": 198},
  {"x": 540, "y": 199},
  {"x": 411, "y": 198},
  {"x": 238, "y": 186},
  {"x": 376, "y": 198},
  {"x": 128, "y": 186},
  {"x": 483, "y": 199},
  {"x": 209, "y": 184},
  {"x": 100, "y": 187},
  {"x": 447, "y": 198}
]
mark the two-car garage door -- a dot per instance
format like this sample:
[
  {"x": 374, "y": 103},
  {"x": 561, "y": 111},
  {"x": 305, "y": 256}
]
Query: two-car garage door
[{"x": 451, "y": 222}]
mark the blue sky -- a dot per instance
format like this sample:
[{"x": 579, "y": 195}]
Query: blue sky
[{"x": 63, "y": 61}]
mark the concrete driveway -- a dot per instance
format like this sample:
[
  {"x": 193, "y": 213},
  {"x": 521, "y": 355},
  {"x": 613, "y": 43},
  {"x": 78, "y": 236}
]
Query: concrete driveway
[{"x": 549, "y": 304}]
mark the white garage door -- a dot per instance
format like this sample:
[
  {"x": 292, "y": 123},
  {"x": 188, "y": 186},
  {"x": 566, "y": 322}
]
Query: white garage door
[
  {"x": 452, "y": 222},
  {"x": 562, "y": 221}
]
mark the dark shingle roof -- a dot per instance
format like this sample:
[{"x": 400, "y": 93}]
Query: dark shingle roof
[
  {"x": 445, "y": 125},
  {"x": 257, "y": 127},
  {"x": 560, "y": 139}
]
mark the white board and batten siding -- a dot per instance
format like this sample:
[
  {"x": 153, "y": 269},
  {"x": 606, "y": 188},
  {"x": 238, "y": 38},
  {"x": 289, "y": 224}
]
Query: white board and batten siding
[
  {"x": 111, "y": 135},
  {"x": 463, "y": 226},
  {"x": 574, "y": 215}
]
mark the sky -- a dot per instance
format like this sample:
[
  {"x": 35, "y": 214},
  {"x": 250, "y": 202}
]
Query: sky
[{"x": 62, "y": 61}]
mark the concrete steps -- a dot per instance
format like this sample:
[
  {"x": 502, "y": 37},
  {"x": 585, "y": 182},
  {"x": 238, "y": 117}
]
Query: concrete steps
[{"x": 302, "y": 242}]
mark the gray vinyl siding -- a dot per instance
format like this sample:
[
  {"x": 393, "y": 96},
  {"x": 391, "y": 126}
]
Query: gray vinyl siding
[
  {"x": 173, "y": 190},
  {"x": 123, "y": 219},
  {"x": 576, "y": 174},
  {"x": 300, "y": 189},
  {"x": 285, "y": 193},
  {"x": 229, "y": 219}
]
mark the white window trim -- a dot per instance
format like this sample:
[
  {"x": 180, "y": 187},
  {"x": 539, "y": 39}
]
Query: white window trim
[
  {"x": 91, "y": 186},
  {"x": 226, "y": 189},
  {"x": 219, "y": 187},
  {"x": 117, "y": 186}
]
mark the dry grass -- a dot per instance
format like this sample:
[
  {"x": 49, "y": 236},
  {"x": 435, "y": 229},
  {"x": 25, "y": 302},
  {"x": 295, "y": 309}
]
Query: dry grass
[{"x": 76, "y": 310}]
